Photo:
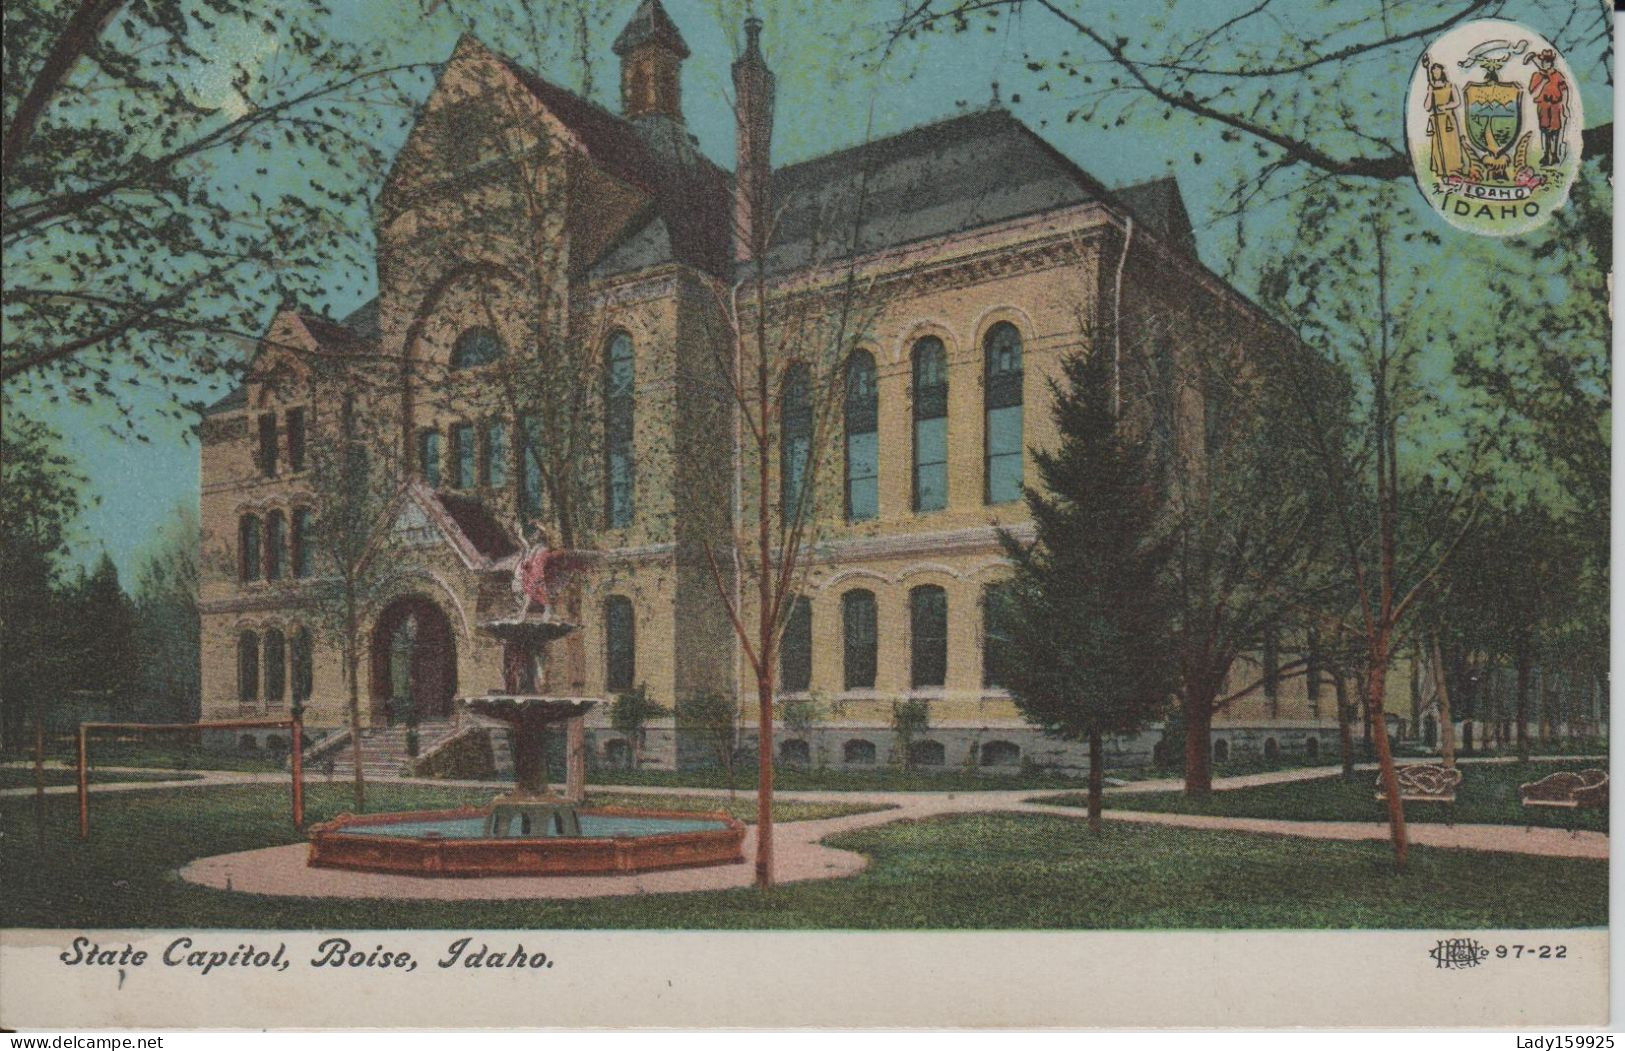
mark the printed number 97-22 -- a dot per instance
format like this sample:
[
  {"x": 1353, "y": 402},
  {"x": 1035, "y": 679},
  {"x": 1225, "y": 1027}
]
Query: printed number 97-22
[{"x": 1537, "y": 952}]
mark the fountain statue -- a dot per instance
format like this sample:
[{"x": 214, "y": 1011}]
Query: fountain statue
[{"x": 540, "y": 575}]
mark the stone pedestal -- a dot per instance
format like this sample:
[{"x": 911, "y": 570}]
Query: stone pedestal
[{"x": 575, "y": 761}]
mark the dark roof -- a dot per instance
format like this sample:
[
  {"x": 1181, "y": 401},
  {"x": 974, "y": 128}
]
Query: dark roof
[
  {"x": 235, "y": 400},
  {"x": 931, "y": 181},
  {"x": 650, "y": 22},
  {"x": 479, "y": 525},
  {"x": 692, "y": 196},
  {"x": 1157, "y": 203},
  {"x": 331, "y": 333},
  {"x": 363, "y": 320}
]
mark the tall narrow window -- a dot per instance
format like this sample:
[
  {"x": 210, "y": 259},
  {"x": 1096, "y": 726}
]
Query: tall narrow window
[
  {"x": 248, "y": 547},
  {"x": 296, "y": 439},
  {"x": 475, "y": 347},
  {"x": 795, "y": 441},
  {"x": 302, "y": 665},
  {"x": 494, "y": 464},
  {"x": 248, "y": 667},
  {"x": 858, "y": 635},
  {"x": 429, "y": 458},
  {"x": 996, "y": 611},
  {"x": 267, "y": 454},
  {"x": 862, "y": 438},
  {"x": 301, "y": 541},
  {"x": 275, "y": 544},
  {"x": 1001, "y": 393},
  {"x": 930, "y": 425},
  {"x": 530, "y": 465},
  {"x": 619, "y": 386},
  {"x": 276, "y": 667},
  {"x": 620, "y": 636},
  {"x": 795, "y": 651},
  {"x": 464, "y": 453},
  {"x": 928, "y": 636}
]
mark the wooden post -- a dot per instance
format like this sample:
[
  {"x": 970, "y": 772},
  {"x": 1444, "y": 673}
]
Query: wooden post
[
  {"x": 84, "y": 788},
  {"x": 575, "y": 759},
  {"x": 1447, "y": 743},
  {"x": 297, "y": 761}
]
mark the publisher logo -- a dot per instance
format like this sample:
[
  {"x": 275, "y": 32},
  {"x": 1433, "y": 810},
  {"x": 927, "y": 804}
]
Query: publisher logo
[{"x": 1493, "y": 122}]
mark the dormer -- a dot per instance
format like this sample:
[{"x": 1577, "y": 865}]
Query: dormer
[{"x": 651, "y": 52}]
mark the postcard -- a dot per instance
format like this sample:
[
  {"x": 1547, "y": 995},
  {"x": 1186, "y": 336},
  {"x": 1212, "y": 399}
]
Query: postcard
[{"x": 702, "y": 513}]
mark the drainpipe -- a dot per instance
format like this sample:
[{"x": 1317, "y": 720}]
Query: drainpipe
[{"x": 1117, "y": 321}]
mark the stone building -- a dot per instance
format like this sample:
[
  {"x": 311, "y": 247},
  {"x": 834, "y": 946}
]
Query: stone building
[{"x": 536, "y": 249}]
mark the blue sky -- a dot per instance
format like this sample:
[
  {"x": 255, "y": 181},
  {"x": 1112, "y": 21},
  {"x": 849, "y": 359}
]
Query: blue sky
[{"x": 831, "y": 95}]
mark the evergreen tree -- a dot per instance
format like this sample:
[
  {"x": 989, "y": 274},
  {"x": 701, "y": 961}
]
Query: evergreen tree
[
  {"x": 103, "y": 634},
  {"x": 1088, "y": 615}
]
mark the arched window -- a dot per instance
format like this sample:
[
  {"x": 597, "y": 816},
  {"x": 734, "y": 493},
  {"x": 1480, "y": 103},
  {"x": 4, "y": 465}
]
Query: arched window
[
  {"x": 464, "y": 455},
  {"x": 475, "y": 347},
  {"x": 795, "y": 651},
  {"x": 996, "y": 614},
  {"x": 1221, "y": 750},
  {"x": 276, "y": 667},
  {"x": 1311, "y": 747},
  {"x": 862, "y": 438},
  {"x": 302, "y": 665},
  {"x": 248, "y": 547},
  {"x": 429, "y": 458},
  {"x": 795, "y": 441},
  {"x": 1001, "y": 394},
  {"x": 927, "y": 753},
  {"x": 928, "y": 636},
  {"x": 858, "y": 751},
  {"x": 620, "y": 644},
  {"x": 617, "y": 753},
  {"x": 930, "y": 425},
  {"x": 248, "y": 667},
  {"x": 1272, "y": 750},
  {"x": 858, "y": 635},
  {"x": 795, "y": 752},
  {"x": 530, "y": 465},
  {"x": 275, "y": 540},
  {"x": 494, "y": 464},
  {"x": 302, "y": 537},
  {"x": 620, "y": 377},
  {"x": 1000, "y": 753}
]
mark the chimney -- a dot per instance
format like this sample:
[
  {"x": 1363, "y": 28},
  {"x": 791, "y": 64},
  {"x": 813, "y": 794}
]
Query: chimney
[
  {"x": 753, "y": 94},
  {"x": 651, "y": 52}
]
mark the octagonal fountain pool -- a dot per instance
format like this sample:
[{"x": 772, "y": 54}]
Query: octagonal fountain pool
[{"x": 528, "y": 838}]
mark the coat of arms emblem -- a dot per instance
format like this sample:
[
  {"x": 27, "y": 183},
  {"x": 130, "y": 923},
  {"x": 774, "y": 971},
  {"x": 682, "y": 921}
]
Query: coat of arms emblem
[{"x": 1494, "y": 152}]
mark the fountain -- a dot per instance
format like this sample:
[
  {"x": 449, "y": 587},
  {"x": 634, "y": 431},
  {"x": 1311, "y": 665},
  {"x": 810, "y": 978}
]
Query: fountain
[{"x": 529, "y": 831}]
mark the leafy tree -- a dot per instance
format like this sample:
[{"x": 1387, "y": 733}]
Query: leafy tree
[
  {"x": 714, "y": 719},
  {"x": 144, "y": 242},
  {"x": 167, "y": 628},
  {"x": 630, "y": 714},
  {"x": 39, "y": 503},
  {"x": 1295, "y": 88},
  {"x": 1090, "y": 610},
  {"x": 101, "y": 635},
  {"x": 909, "y": 720}
]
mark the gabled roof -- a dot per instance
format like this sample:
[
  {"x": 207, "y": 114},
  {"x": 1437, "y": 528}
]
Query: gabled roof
[
  {"x": 479, "y": 526},
  {"x": 692, "y": 196},
  {"x": 474, "y": 533},
  {"x": 334, "y": 336},
  {"x": 1158, "y": 204},
  {"x": 931, "y": 181},
  {"x": 650, "y": 22}
]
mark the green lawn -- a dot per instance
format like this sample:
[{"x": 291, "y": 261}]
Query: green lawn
[
  {"x": 1488, "y": 795},
  {"x": 23, "y": 776},
  {"x": 988, "y": 871}
]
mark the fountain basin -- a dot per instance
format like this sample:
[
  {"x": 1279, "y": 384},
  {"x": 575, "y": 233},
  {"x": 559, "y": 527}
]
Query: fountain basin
[{"x": 613, "y": 841}]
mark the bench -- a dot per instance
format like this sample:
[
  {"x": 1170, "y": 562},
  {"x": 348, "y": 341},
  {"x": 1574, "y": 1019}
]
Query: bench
[
  {"x": 1588, "y": 788},
  {"x": 1423, "y": 783}
]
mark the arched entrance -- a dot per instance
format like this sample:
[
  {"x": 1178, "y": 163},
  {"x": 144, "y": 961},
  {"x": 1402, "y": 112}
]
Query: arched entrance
[{"x": 414, "y": 661}]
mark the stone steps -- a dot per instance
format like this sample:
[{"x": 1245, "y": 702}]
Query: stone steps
[{"x": 383, "y": 750}]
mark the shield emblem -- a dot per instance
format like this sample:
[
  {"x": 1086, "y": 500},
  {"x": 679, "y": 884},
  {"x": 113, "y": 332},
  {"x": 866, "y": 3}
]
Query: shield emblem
[{"x": 1494, "y": 115}]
